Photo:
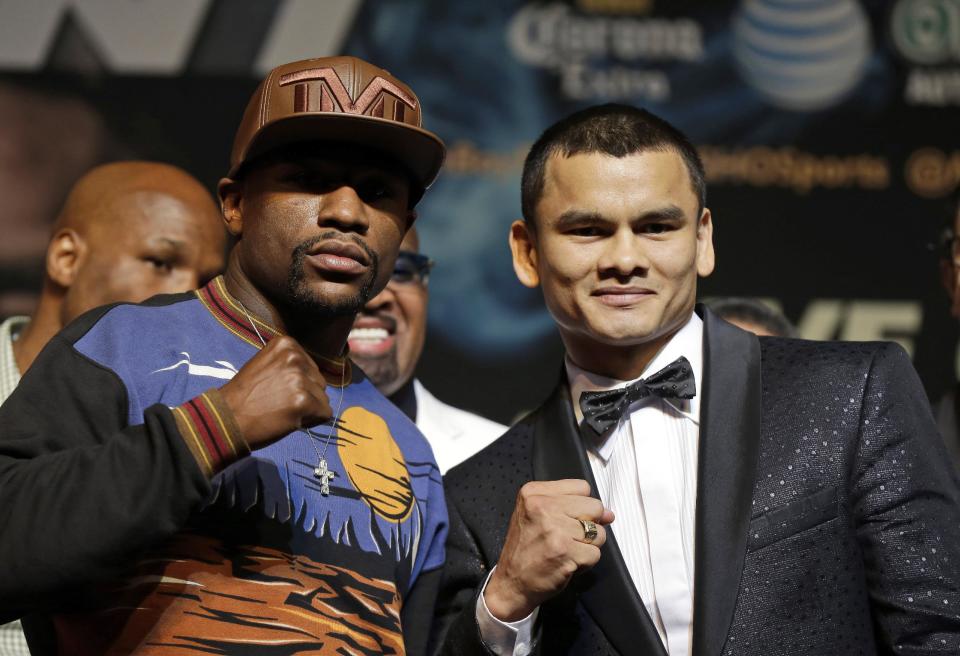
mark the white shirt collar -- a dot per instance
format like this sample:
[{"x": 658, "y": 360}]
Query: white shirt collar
[{"x": 687, "y": 342}]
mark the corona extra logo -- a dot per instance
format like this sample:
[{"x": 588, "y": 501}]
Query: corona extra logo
[{"x": 322, "y": 90}]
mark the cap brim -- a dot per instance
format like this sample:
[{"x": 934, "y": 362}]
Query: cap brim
[{"x": 422, "y": 152}]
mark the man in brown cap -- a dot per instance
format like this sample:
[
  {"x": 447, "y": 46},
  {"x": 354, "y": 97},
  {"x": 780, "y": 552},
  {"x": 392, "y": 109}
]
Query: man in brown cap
[
  {"x": 218, "y": 477},
  {"x": 127, "y": 231}
]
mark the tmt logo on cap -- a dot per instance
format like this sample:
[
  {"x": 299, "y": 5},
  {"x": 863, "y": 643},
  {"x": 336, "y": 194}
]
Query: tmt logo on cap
[
  {"x": 334, "y": 97},
  {"x": 338, "y": 99}
]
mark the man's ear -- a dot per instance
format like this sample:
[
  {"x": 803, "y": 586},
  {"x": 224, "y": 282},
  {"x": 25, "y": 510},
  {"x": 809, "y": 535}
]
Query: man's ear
[
  {"x": 230, "y": 193},
  {"x": 705, "y": 255},
  {"x": 524, "y": 249},
  {"x": 65, "y": 255}
]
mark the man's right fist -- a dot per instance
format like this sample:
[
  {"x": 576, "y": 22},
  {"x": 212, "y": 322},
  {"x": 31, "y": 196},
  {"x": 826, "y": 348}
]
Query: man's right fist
[
  {"x": 278, "y": 390},
  {"x": 545, "y": 546}
]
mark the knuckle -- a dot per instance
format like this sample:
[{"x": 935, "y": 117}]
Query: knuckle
[
  {"x": 556, "y": 545},
  {"x": 593, "y": 557},
  {"x": 569, "y": 567},
  {"x": 300, "y": 401},
  {"x": 533, "y": 504},
  {"x": 596, "y": 508},
  {"x": 279, "y": 343},
  {"x": 292, "y": 358}
]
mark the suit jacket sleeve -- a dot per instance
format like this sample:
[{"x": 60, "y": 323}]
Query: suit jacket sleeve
[
  {"x": 906, "y": 506},
  {"x": 82, "y": 491},
  {"x": 455, "y": 631}
]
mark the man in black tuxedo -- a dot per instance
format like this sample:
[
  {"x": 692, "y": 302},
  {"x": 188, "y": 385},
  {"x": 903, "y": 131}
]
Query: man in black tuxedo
[{"x": 688, "y": 487}]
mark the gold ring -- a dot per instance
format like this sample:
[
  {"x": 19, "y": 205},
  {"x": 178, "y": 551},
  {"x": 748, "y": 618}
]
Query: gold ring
[{"x": 589, "y": 530}]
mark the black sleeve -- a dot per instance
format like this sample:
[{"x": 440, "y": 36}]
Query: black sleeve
[
  {"x": 417, "y": 612},
  {"x": 81, "y": 492},
  {"x": 455, "y": 631},
  {"x": 906, "y": 505}
]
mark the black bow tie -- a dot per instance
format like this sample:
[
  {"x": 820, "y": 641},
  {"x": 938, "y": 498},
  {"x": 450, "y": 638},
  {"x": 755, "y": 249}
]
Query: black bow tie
[{"x": 601, "y": 410}]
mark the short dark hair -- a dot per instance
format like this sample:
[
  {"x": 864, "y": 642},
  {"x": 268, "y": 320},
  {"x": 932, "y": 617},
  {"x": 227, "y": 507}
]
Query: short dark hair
[
  {"x": 611, "y": 129},
  {"x": 754, "y": 312}
]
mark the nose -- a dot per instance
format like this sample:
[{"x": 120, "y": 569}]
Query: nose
[
  {"x": 624, "y": 255},
  {"x": 343, "y": 209}
]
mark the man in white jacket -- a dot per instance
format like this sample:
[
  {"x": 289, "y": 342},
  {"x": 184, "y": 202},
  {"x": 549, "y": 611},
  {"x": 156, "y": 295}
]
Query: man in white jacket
[{"x": 387, "y": 340}]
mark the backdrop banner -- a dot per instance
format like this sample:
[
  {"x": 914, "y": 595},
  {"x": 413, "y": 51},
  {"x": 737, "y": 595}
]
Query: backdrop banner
[{"x": 828, "y": 129}]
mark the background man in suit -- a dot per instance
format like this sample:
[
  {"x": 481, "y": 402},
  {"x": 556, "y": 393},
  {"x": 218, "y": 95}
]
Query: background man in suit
[
  {"x": 765, "y": 495},
  {"x": 387, "y": 340}
]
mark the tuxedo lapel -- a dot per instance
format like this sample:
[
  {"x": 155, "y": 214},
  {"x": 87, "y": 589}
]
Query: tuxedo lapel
[
  {"x": 607, "y": 591},
  {"x": 728, "y": 455}
]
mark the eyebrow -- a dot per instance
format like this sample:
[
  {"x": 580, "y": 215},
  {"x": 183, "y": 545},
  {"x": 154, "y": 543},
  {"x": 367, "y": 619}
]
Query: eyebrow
[
  {"x": 572, "y": 218},
  {"x": 166, "y": 241}
]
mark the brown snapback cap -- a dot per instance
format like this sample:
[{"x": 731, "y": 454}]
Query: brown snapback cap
[{"x": 341, "y": 99}]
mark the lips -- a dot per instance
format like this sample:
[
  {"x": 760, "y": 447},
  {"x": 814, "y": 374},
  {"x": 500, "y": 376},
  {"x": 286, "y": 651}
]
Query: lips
[
  {"x": 623, "y": 296},
  {"x": 372, "y": 337},
  {"x": 339, "y": 257}
]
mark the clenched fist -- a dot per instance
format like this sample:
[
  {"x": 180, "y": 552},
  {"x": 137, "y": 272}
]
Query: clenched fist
[
  {"x": 277, "y": 391},
  {"x": 545, "y": 546}
]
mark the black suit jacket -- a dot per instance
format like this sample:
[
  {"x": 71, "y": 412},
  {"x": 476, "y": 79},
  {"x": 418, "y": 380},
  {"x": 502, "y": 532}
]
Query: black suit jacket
[{"x": 827, "y": 519}]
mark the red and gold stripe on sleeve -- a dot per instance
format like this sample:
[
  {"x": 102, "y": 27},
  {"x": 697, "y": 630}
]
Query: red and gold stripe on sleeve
[{"x": 210, "y": 431}]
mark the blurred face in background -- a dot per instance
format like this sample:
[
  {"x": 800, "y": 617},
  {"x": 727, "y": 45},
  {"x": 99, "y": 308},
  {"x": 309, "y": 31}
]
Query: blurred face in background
[
  {"x": 148, "y": 243},
  {"x": 388, "y": 334}
]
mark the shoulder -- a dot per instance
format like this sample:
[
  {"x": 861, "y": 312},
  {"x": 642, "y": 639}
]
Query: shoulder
[
  {"x": 134, "y": 321},
  {"x": 800, "y": 355}
]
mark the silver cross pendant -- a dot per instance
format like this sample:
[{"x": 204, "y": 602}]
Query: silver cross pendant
[{"x": 325, "y": 475}]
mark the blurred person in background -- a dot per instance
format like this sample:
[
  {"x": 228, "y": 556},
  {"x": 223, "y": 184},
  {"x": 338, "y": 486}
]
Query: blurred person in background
[
  {"x": 947, "y": 409},
  {"x": 48, "y": 139},
  {"x": 387, "y": 340},
  {"x": 753, "y": 315},
  {"x": 127, "y": 231}
]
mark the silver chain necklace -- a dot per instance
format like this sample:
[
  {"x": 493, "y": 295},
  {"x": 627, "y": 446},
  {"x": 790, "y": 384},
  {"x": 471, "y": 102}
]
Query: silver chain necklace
[{"x": 322, "y": 471}]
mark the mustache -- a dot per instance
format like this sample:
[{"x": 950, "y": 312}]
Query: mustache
[{"x": 301, "y": 250}]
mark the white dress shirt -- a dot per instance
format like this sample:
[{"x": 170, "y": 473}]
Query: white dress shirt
[
  {"x": 454, "y": 434},
  {"x": 646, "y": 472}
]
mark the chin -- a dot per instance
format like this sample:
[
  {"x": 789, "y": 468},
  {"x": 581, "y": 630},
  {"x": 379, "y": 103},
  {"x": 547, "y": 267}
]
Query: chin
[
  {"x": 321, "y": 301},
  {"x": 624, "y": 328}
]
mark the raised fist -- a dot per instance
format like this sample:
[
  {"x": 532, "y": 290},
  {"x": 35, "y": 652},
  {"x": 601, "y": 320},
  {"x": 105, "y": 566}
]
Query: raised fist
[
  {"x": 546, "y": 545},
  {"x": 277, "y": 391}
]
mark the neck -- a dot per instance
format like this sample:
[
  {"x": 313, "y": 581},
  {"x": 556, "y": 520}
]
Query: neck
[
  {"x": 44, "y": 324},
  {"x": 326, "y": 338}
]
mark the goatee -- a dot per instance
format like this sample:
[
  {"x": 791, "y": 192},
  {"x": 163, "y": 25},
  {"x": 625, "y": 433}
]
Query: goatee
[{"x": 299, "y": 297}]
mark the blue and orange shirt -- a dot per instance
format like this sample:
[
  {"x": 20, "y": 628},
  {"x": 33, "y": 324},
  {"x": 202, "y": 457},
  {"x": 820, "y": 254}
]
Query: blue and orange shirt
[{"x": 266, "y": 563}]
